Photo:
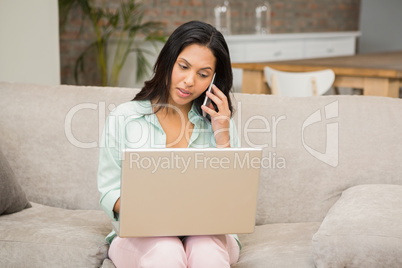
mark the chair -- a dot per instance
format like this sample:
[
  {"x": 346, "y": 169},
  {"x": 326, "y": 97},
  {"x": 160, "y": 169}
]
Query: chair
[{"x": 298, "y": 84}]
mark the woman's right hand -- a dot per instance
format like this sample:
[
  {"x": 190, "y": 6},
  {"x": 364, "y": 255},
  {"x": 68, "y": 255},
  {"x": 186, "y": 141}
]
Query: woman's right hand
[{"x": 220, "y": 120}]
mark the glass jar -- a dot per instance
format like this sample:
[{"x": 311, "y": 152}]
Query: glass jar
[
  {"x": 222, "y": 17},
  {"x": 263, "y": 17}
]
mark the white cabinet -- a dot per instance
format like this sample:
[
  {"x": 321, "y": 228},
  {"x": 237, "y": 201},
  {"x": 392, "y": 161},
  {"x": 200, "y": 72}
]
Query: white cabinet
[
  {"x": 276, "y": 50},
  {"x": 272, "y": 47},
  {"x": 263, "y": 51},
  {"x": 276, "y": 47},
  {"x": 331, "y": 47}
]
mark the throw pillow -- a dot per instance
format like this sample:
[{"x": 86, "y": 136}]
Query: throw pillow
[
  {"x": 362, "y": 229},
  {"x": 12, "y": 197}
]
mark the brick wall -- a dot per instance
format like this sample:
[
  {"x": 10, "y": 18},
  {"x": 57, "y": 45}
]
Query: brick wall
[{"x": 288, "y": 16}]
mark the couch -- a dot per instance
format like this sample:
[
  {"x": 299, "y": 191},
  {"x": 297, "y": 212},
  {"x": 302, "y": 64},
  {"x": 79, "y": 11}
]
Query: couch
[{"x": 330, "y": 190}]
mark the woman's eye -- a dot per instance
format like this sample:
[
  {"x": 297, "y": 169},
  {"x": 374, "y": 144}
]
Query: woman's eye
[
  {"x": 184, "y": 67},
  {"x": 204, "y": 75}
]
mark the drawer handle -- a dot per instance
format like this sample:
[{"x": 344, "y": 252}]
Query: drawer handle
[
  {"x": 277, "y": 53},
  {"x": 330, "y": 50}
]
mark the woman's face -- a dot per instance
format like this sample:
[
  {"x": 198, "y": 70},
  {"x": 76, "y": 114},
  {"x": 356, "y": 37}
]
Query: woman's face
[{"x": 191, "y": 75}]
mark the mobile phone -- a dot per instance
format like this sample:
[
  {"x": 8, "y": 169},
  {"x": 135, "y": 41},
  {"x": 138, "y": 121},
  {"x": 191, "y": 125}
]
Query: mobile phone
[{"x": 207, "y": 100}]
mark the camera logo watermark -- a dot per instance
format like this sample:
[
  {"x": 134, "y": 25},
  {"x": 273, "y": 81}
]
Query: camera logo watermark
[{"x": 331, "y": 154}]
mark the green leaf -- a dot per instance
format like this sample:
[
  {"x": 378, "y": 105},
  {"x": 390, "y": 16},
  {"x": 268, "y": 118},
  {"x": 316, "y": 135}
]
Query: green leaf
[{"x": 80, "y": 63}]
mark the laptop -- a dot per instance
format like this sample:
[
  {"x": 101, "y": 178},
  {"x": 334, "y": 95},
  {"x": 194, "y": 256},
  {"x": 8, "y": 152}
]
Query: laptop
[{"x": 186, "y": 191}]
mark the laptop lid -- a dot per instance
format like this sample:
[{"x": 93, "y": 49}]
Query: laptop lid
[{"x": 186, "y": 191}]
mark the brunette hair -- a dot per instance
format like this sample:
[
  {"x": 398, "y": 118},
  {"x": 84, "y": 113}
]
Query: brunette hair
[{"x": 193, "y": 32}]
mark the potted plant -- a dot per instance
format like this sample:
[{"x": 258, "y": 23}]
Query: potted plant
[{"x": 124, "y": 26}]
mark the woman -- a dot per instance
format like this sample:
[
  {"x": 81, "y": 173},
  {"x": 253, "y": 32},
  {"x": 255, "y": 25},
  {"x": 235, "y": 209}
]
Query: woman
[{"x": 167, "y": 113}]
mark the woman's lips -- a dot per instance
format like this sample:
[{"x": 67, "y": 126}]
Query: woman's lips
[{"x": 183, "y": 93}]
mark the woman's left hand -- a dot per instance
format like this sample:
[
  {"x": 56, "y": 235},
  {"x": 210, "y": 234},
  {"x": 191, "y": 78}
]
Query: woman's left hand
[{"x": 220, "y": 120}]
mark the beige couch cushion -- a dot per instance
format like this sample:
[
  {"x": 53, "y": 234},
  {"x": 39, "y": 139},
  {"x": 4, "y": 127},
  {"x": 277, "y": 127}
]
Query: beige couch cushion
[
  {"x": 278, "y": 245},
  {"x": 363, "y": 229},
  {"x": 12, "y": 197},
  {"x": 50, "y": 135},
  {"x": 298, "y": 185},
  {"x": 44, "y": 236}
]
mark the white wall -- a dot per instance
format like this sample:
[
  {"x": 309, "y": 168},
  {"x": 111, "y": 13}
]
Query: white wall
[
  {"x": 380, "y": 25},
  {"x": 29, "y": 41}
]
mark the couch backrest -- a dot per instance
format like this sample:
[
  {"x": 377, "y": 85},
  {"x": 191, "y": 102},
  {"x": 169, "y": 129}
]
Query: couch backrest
[
  {"x": 50, "y": 136},
  {"x": 314, "y": 148}
]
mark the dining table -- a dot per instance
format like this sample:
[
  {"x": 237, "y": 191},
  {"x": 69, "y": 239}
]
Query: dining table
[{"x": 377, "y": 74}]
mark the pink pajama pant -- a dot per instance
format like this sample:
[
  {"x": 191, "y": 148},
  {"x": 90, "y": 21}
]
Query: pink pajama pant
[{"x": 218, "y": 251}]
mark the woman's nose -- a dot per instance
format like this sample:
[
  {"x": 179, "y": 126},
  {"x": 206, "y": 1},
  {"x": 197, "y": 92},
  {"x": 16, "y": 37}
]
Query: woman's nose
[{"x": 189, "y": 80}]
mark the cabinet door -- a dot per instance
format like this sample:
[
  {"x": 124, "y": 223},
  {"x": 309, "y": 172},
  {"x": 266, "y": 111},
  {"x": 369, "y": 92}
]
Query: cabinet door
[
  {"x": 329, "y": 47},
  {"x": 273, "y": 50}
]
